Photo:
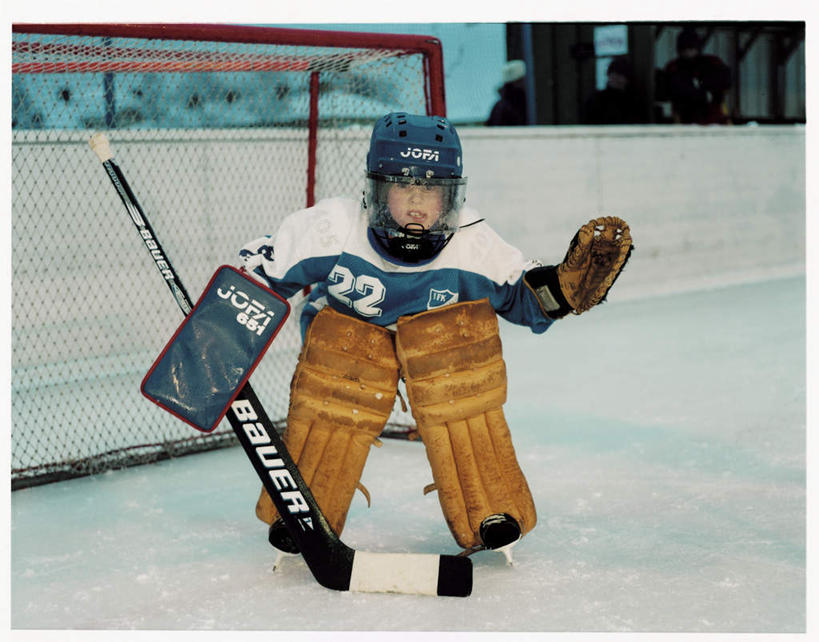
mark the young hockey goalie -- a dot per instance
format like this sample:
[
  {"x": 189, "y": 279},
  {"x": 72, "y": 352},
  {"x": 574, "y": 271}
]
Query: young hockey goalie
[{"x": 409, "y": 284}]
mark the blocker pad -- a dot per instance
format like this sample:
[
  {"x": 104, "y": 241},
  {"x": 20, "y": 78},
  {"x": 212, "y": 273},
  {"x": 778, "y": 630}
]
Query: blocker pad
[{"x": 215, "y": 349}]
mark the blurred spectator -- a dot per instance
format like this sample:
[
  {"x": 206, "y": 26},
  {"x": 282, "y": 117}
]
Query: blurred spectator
[
  {"x": 511, "y": 107},
  {"x": 616, "y": 104},
  {"x": 696, "y": 83}
]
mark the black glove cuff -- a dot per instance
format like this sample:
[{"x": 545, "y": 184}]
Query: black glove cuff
[{"x": 544, "y": 283}]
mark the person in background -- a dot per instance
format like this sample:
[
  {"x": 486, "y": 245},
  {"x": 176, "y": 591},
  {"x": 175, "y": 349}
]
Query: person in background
[
  {"x": 616, "y": 104},
  {"x": 696, "y": 83},
  {"x": 510, "y": 109}
]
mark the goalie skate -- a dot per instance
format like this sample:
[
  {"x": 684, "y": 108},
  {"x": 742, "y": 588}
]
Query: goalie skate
[
  {"x": 499, "y": 532},
  {"x": 280, "y": 538}
]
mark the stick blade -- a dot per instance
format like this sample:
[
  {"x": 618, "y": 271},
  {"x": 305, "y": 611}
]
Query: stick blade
[{"x": 411, "y": 574}]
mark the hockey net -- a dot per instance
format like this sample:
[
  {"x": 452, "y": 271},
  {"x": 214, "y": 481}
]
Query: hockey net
[{"x": 222, "y": 131}]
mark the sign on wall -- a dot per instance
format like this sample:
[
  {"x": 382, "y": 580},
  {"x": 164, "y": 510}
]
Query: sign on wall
[{"x": 609, "y": 41}]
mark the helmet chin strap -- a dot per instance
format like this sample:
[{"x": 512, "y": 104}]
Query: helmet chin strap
[
  {"x": 413, "y": 229},
  {"x": 412, "y": 243}
]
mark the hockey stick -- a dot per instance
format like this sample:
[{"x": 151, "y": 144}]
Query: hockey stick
[{"x": 334, "y": 564}]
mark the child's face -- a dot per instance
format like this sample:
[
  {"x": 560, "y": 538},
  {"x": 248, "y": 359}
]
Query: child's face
[{"x": 420, "y": 204}]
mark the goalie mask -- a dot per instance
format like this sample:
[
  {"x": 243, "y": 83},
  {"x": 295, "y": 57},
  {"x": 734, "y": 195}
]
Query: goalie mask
[{"x": 414, "y": 188}]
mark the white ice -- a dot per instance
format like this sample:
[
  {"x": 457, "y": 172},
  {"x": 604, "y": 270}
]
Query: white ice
[{"x": 664, "y": 442}]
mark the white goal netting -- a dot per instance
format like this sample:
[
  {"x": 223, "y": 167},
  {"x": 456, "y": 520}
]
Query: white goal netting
[{"x": 221, "y": 131}]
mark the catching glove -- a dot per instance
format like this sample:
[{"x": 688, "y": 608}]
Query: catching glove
[{"x": 596, "y": 256}]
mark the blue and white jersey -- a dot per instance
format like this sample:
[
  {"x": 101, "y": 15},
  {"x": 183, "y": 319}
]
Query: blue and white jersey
[{"x": 329, "y": 247}]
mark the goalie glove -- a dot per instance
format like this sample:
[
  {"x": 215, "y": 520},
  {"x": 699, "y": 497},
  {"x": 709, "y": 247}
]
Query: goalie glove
[{"x": 596, "y": 256}]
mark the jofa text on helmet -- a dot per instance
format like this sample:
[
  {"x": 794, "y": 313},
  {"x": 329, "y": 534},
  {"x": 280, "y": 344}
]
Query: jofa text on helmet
[{"x": 419, "y": 153}]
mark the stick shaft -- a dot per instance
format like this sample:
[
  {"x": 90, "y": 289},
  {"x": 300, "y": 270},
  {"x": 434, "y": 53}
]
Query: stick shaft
[{"x": 256, "y": 433}]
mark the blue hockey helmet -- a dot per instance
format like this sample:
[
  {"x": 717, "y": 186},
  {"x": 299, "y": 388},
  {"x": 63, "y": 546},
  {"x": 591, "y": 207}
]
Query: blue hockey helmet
[
  {"x": 415, "y": 185},
  {"x": 409, "y": 145}
]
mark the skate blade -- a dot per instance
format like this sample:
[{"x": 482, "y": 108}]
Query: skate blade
[
  {"x": 507, "y": 553},
  {"x": 506, "y": 550},
  {"x": 280, "y": 557}
]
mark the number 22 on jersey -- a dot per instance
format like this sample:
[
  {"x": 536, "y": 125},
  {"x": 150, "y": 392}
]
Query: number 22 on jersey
[{"x": 344, "y": 283}]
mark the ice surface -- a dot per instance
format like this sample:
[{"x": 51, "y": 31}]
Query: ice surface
[{"x": 664, "y": 442}]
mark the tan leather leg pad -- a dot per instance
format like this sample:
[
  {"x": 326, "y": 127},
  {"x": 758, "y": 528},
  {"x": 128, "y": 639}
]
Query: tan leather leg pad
[
  {"x": 341, "y": 397},
  {"x": 456, "y": 381}
]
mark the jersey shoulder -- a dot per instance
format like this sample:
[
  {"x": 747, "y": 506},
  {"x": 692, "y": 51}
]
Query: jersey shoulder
[
  {"x": 478, "y": 248},
  {"x": 320, "y": 230}
]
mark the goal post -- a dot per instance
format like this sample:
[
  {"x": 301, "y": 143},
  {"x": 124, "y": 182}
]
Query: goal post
[{"x": 226, "y": 130}]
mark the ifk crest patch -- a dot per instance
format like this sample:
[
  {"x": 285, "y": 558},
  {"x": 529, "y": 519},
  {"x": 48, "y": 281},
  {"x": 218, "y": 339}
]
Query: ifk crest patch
[{"x": 439, "y": 298}]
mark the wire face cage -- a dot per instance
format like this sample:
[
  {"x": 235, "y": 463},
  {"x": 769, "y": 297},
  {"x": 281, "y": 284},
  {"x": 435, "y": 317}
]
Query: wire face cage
[{"x": 222, "y": 131}]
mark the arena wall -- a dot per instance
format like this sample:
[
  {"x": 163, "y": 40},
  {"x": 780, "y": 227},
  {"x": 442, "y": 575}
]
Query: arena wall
[{"x": 707, "y": 205}]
